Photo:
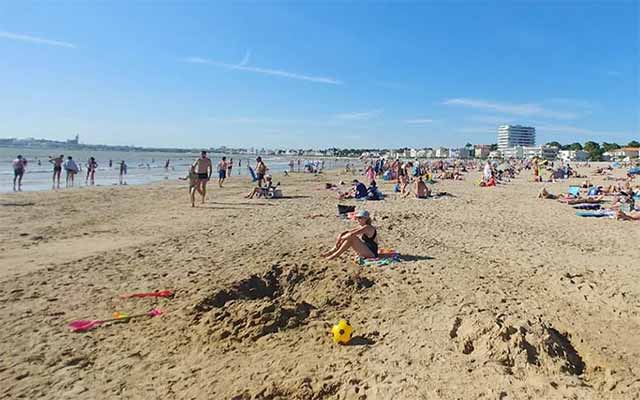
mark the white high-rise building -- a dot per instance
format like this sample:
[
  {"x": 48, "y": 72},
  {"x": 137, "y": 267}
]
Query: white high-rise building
[{"x": 515, "y": 135}]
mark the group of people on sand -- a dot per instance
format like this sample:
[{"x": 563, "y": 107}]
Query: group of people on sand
[
  {"x": 69, "y": 165},
  {"x": 623, "y": 198},
  {"x": 201, "y": 171}
]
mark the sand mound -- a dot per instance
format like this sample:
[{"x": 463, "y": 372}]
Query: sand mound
[
  {"x": 261, "y": 305},
  {"x": 518, "y": 346}
]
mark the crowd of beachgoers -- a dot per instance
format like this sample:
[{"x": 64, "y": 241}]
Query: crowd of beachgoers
[{"x": 617, "y": 200}]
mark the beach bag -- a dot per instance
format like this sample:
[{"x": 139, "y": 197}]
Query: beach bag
[{"x": 345, "y": 209}]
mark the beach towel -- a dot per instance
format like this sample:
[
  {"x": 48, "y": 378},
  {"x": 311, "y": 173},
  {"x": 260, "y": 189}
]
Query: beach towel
[
  {"x": 634, "y": 171},
  {"x": 587, "y": 207},
  {"x": 574, "y": 191},
  {"x": 385, "y": 257},
  {"x": 596, "y": 214},
  {"x": 593, "y": 191},
  {"x": 376, "y": 262}
]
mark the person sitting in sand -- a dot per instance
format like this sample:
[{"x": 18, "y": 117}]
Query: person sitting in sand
[
  {"x": 359, "y": 191},
  {"x": 372, "y": 192},
  {"x": 262, "y": 191},
  {"x": 362, "y": 239},
  {"x": 419, "y": 189}
]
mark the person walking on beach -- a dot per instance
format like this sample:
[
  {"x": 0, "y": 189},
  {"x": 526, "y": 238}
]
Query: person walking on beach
[
  {"x": 239, "y": 166},
  {"x": 261, "y": 170},
  {"x": 222, "y": 171},
  {"x": 57, "y": 169},
  {"x": 204, "y": 169},
  {"x": 166, "y": 165},
  {"x": 92, "y": 165},
  {"x": 71, "y": 168},
  {"x": 123, "y": 173},
  {"x": 19, "y": 167}
]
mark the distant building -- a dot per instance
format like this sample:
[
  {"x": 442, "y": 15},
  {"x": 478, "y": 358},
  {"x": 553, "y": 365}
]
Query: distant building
[
  {"x": 464, "y": 152},
  {"x": 522, "y": 152},
  {"x": 75, "y": 140},
  {"x": 515, "y": 135},
  {"x": 631, "y": 152},
  {"x": 441, "y": 152},
  {"x": 573, "y": 155},
  {"x": 481, "y": 150},
  {"x": 513, "y": 152}
]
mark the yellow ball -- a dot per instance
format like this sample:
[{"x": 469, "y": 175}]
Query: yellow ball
[{"x": 342, "y": 332}]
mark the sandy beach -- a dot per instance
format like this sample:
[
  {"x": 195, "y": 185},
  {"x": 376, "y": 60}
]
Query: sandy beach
[{"x": 498, "y": 295}]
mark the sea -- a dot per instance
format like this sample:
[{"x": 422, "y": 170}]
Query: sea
[{"x": 142, "y": 166}]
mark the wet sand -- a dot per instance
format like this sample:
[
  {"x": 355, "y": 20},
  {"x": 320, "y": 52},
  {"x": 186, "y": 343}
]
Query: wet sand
[{"x": 498, "y": 295}]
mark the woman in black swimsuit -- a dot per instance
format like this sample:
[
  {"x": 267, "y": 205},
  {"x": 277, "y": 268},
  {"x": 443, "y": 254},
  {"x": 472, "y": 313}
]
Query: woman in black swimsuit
[{"x": 361, "y": 239}]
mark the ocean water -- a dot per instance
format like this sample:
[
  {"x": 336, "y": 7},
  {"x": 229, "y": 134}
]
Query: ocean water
[{"x": 142, "y": 167}]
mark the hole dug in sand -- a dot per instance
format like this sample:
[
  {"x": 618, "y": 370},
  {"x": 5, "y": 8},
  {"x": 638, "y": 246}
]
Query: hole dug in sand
[
  {"x": 264, "y": 304},
  {"x": 517, "y": 345}
]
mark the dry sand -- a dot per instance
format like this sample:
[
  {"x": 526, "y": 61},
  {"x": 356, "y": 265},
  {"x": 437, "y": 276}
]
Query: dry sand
[{"x": 498, "y": 296}]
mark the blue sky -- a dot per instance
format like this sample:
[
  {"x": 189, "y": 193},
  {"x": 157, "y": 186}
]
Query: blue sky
[{"x": 315, "y": 74}]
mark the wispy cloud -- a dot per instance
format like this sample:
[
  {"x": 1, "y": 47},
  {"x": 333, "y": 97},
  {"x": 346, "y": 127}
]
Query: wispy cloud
[
  {"x": 574, "y": 130},
  {"x": 492, "y": 120},
  {"x": 418, "y": 121},
  {"x": 242, "y": 66},
  {"x": 359, "y": 116},
  {"x": 34, "y": 39},
  {"x": 526, "y": 109}
]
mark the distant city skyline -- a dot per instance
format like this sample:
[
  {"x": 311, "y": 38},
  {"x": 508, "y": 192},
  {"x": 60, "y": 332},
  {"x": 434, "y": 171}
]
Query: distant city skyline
[{"x": 350, "y": 75}]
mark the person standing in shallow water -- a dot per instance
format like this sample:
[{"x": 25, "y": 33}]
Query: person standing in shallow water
[
  {"x": 229, "y": 168},
  {"x": 57, "y": 169},
  {"x": 92, "y": 165},
  {"x": 123, "y": 173},
  {"x": 71, "y": 168},
  {"x": 19, "y": 167},
  {"x": 222, "y": 171}
]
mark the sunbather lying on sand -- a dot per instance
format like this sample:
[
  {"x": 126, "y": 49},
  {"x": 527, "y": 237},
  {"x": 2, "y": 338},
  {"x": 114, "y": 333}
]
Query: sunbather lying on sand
[
  {"x": 630, "y": 216},
  {"x": 582, "y": 200},
  {"x": 362, "y": 239},
  {"x": 544, "y": 194}
]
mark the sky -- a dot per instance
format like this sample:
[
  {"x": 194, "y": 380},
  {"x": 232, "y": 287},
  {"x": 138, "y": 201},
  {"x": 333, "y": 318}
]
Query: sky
[{"x": 318, "y": 74}]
